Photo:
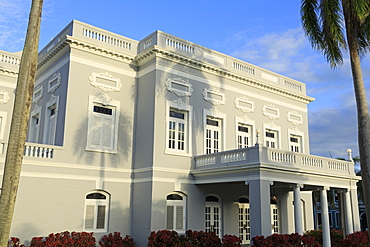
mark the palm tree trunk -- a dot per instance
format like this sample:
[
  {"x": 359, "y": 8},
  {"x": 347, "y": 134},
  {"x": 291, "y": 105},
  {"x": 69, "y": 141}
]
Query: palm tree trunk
[
  {"x": 363, "y": 117},
  {"x": 19, "y": 124}
]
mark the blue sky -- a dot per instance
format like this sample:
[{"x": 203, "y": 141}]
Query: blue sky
[{"x": 266, "y": 33}]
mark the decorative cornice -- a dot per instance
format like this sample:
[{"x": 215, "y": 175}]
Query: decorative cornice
[
  {"x": 157, "y": 51},
  {"x": 9, "y": 71}
]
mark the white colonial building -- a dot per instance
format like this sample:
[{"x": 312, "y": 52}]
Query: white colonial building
[{"x": 137, "y": 136}]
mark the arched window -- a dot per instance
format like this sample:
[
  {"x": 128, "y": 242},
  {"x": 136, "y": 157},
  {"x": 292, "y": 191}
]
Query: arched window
[
  {"x": 176, "y": 212},
  {"x": 96, "y": 211}
]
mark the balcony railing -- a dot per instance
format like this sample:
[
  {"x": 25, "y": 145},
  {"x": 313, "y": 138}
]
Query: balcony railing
[
  {"x": 263, "y": 156},
  {"x": 39, "y": 150}
]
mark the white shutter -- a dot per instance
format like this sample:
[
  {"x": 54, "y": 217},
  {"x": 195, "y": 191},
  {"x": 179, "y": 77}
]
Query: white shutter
[
  {"x": 170, "y": 212},
  {"x": 179, "y": 218},
  {"x": 100, "y": 223},
  {"x": 89, "y": 217},
  {"x": 96, "y": 130},
  {"x": 108, "y": 132}
]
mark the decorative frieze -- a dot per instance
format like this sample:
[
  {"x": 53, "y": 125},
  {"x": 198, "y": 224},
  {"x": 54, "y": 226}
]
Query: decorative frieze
[
  {"x": 38, "y": 93},
  {"x": 295, "y": 118},
  {"x": 179, "y": 87},
  {"x": 214, "y": 96},
  {"x": 105, "y": 82},
  {"x": 244, "y": 104},
  {"x": 4, "y": 97},
  {"x": 54, "y": 82},
  {"x": 271, "y": 112}
]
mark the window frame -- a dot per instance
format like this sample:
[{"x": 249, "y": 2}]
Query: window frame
[
  {"x": 246, "y": 122},
  {"x": 221, "y": 117},
  {"x": 300, "y": 135},
  {"x": 34, "y": 133},
  {"x": 176, "y": 203},
  {"x": 179, "y": 106},
  {"x": 115, "y": 106},
  {"x": 96, "y": 203},
  {"x": 50, "y": 123},
  {"x": 276, "y": 130}
]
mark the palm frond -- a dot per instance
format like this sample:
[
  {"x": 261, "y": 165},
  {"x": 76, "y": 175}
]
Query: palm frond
[
  {"x": 331, "y": 18},
  {"x": 310, "y": 23}
]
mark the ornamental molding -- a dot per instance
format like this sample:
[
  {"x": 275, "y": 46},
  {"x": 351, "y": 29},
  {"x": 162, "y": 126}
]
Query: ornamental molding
[
  {"x": 179, "y": 83},
  {"x": 188, "y": 61},
  {"x": 37, "y": 94},
  {"x": 271, "y": 111},
  {"x": 54, "y": 82},
  {"x": 295, "y": 118},
  {"x": 94, "y": 77},
  {"x": 179, "y": 104},
  {"x": 244, "y": 104},
  {"x": 104, "y": 99},
  {"x": 4, "y": 97},
  {"x": 214, "y": 96}
]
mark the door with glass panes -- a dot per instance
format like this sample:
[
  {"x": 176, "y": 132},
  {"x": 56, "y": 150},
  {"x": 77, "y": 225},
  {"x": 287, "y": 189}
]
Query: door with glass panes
[
  {"x": 213, "y": 135},
  {"x": 244, "y": 221},
  {"x": 213, "y": 215}
]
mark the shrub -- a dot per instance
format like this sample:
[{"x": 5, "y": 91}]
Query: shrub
[
  {"x": 65, "y": 239},
  {"x": 231, "y": 241},
  {"x": 14, "y": 242},
  {"x": 284, "y": 240},
  {"x": 356, "y": 239},
  {"x": 164, "y": 238},
  {"x": 202, "y": 239},
  {"x": 115, "y": 240}
]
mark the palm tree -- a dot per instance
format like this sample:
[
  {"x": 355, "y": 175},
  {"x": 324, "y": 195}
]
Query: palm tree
[
  {"x": 19, "y": 125},
  {"x": 333, "y": 26}
]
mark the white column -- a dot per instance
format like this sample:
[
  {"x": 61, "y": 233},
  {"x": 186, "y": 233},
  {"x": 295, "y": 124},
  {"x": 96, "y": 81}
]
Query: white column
[
  {"x": 325, "y": 217},
  {"x": 355, "y": 210},
  {"x": 348, "y": 213},
  {"x": 297, "y": 209},
  {"x": 259, "y": 204}
]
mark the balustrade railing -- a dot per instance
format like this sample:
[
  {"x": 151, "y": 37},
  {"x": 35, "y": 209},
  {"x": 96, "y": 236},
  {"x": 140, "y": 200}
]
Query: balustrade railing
[
  {"x": 39, "y": 151},
  {"x": 273, "y": 157}
]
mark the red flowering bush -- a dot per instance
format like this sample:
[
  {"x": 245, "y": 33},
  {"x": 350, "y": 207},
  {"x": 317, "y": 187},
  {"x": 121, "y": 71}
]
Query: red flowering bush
[
  {"x": 284, "y": 240},
  {"x": 116, "y": 240},
  {"x": 65, "y": 239},
  {"x": 164, "y": 238},
  {"x": 202, "y": 239},
  {"x": 356, "y": 239},
  {"x": 14, "y": 242},
  {"x": 231, "y": 241}
]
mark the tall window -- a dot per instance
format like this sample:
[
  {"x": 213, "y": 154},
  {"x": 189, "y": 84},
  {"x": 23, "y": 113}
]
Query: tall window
[
  {"x": 176, "y": 210},
  {"x": 213, "y": 215},
  {"x": 213, "y": 135},
  {"x": 177, "y": 130},
  {"x": 35, "y": 128},
  {"x": 271, "y": 138},
  {"x": 295, "y": 143},
  {"x": 96, "y": 211},
  {"x": 244, "y": 136},
  {"x": 51, "y": 116},
  {"x": 103, "y": 126}
]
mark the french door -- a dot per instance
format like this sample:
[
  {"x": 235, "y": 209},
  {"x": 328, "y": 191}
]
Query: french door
[{"x": 213, "y": 218}]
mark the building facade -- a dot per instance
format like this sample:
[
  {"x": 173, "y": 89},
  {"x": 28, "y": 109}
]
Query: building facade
[{"x": 138, "y": 136}]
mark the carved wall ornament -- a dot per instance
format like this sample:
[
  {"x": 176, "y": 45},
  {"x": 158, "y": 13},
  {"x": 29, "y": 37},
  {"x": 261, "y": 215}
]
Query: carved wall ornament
[
  {"x": 214, "y": 96},
  {"x": 54, "y": 82},
  {"x": 244, "y": 104},
  {"x": 271, "y": 112},
  {"x": 179, "y": 87},
  {"x": 37, "y": 94},
  {"x": 295, "y": 118},
  {"x": 181, "y": 105},
  {"x": 4, "y": 97},
  {"x": 105, "y": 82},
  {"x": 104, "y": 99}
]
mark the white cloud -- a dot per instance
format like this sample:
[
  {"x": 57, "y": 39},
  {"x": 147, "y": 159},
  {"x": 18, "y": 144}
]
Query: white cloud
[{"x": 13, "y": 24}]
